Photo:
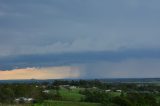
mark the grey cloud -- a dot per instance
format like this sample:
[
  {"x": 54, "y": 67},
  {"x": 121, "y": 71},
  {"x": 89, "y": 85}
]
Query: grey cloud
[
  {"x": 88, "y": 30},
  {"x": 61, "y": 59},
  {"x": 130, "y": 68},
  {"x": 80, "y": 25}
]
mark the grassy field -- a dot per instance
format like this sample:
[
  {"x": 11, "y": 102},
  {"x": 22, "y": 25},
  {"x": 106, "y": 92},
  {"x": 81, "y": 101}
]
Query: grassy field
[
  {"x": 69, "y": 98},
  {"x": 113, "y": 94},
  {"x": 66, "y": 103},
  {"x": 70, "y": 95}
]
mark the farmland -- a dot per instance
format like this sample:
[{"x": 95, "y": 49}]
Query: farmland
[
  {"x": 79, "y": 93},
  {"x": 70, "y": 95}
]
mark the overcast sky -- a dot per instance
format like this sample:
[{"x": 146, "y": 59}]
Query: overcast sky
[{"x": 101, "y": 38}]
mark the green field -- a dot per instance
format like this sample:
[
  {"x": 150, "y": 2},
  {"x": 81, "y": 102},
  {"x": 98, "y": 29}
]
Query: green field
[
  {"x": 70, "y": 95},
  {"x": 66, "y": 103},
  {"x": 113, "y": 94},
  {"x": 69, "y": 98}
]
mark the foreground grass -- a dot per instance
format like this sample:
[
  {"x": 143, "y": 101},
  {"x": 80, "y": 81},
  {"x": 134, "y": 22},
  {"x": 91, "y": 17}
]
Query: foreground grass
[
  {"x": 16, "y": 105},
  {"x": 56, "y": 103},
  {"x": 66, "y": 103}
]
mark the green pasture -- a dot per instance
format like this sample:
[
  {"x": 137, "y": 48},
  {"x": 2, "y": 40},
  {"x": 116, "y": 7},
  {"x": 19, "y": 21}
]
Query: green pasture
[{"x": 70, "y": 95}]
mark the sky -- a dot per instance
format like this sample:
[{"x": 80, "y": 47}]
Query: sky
[{"x": 55, "y": 39}]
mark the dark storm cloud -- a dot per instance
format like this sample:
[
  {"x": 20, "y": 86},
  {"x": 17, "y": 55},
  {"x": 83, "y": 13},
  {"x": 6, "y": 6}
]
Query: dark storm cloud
[
  {"x": 46, "y": 60},
  {"x": 42, "y": 27},
  {"x": 86, "y": 33}
]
